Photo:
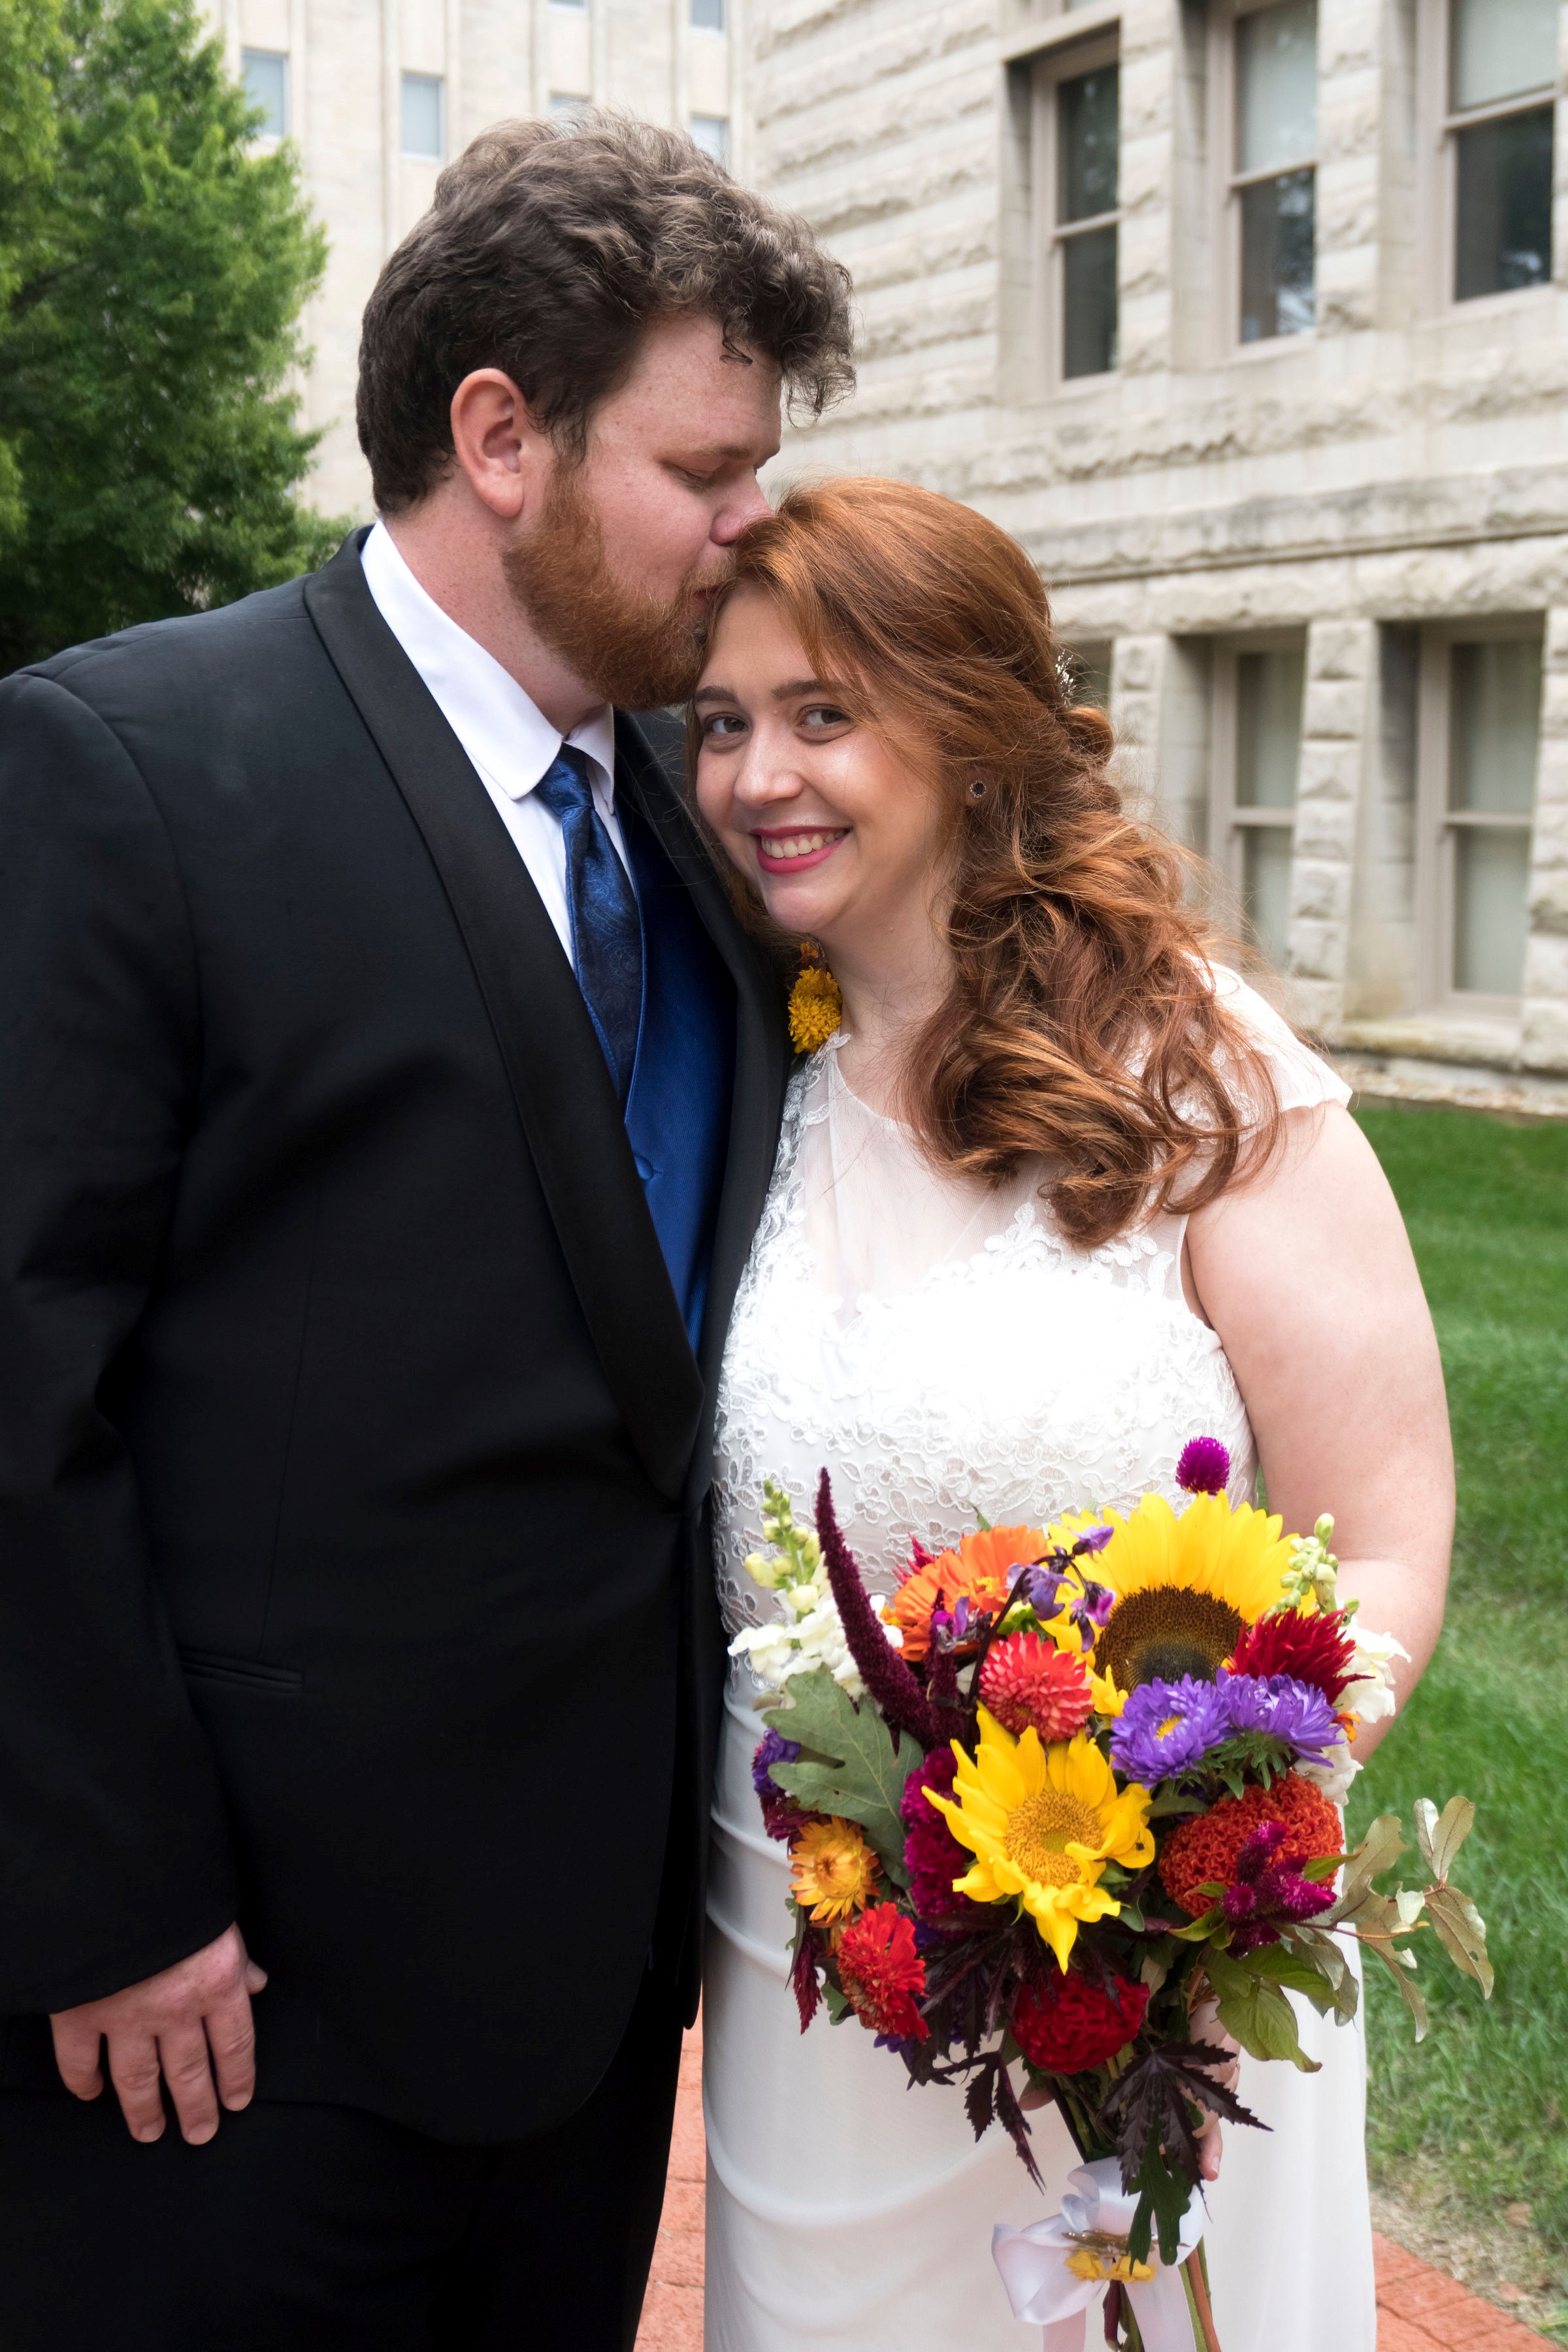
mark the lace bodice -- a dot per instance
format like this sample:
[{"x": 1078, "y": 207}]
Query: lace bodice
[{"x": 942, "y": 1349}]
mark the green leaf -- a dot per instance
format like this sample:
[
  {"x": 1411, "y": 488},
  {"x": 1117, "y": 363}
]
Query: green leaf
[
  {"x": 1397, "y": 1964},
  {"x": 1326, "y": 1951},
  {"x": 1256, "y": 2013},
  {"x": 1440, "y": 1836},
  {"x": 1281, "y": 1966},
  {"x": 1462, "y": 1933},
  {"x": 851, "y": 1768},
  {"x": 1163, "y": 2195}
]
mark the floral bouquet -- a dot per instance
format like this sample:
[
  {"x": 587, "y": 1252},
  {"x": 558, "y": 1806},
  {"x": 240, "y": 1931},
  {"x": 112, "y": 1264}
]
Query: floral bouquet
[{"x": 1068, "y": 1789}]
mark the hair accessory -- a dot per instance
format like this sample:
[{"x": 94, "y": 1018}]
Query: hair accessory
[{"x": 815, "y": 1005}]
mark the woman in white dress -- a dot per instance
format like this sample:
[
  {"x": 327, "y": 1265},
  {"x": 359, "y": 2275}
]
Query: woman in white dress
[{"x": 1058, "y": 1196}]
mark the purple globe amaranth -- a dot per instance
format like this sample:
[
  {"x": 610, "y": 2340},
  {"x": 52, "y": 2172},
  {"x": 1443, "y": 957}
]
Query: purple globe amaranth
[
  {"x": 1204, "y": 1467},
  {"x": 1167, "y": 1727}
]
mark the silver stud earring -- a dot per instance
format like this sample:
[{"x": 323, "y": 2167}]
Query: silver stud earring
[{"x": 977, "y": 790}]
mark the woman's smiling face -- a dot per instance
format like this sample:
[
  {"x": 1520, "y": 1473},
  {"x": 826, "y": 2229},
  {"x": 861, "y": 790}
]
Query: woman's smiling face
[{"x": 839, "y": 831}]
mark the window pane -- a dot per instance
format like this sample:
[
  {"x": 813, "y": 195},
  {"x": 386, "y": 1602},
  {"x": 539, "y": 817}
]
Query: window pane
[
  {"x": 708, "y": 16},
  {"x": 1495, "y": 727},
  {"x": 1491, "y": 879},
  {"x": 1086, "y": 128},
  {"x": 1266, "y": 888},
  {"x": 1279, "y": 239},
  {"x": 1089, "y": 303},
  {"x": 1503, "y": 229},
  {"x": 266, "y": 78},
  {"x": 1268, "y": 728},
  {"x": 711, "y": 132},
  {"x": 564, "y": 102},
  {"x": 1277, "y": 86},
  {"x": 422, "y": 115},
  {"x": 1501, "y": 48}
]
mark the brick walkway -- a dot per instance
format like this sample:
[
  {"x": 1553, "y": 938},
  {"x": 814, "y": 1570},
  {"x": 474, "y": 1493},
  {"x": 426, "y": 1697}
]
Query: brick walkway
[{"x": 1418, "y": 2309}]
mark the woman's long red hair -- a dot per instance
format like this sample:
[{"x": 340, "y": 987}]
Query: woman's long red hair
[{"x": 1081, "y": 1026}]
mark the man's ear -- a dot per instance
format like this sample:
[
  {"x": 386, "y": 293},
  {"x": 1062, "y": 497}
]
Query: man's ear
[{"x": 501, "y": 452}]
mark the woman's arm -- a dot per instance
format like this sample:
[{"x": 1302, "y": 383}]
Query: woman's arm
[{"x": 1306, "y": 1273}]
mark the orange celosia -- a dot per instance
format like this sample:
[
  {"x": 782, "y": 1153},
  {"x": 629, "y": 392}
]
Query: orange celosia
[{"x": 982, "y": 1571}]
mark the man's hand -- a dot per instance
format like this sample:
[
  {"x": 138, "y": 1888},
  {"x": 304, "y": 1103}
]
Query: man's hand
[{"x": 171, "y": 2025}]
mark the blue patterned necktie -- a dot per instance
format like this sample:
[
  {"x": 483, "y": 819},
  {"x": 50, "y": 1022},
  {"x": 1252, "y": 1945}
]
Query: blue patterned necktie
[{"x": 606, "y": 928}]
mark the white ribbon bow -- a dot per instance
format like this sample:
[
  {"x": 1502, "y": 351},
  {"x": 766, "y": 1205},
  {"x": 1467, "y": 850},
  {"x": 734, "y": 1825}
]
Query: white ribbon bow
[{"x": 1042, "y": 2290}]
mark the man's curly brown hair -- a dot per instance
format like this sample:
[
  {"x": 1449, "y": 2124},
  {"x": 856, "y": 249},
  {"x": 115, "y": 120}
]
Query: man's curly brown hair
[{"x": 549, "y": 250}]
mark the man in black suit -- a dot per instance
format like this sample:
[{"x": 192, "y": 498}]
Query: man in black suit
[{"x": 387, "y": 1094}]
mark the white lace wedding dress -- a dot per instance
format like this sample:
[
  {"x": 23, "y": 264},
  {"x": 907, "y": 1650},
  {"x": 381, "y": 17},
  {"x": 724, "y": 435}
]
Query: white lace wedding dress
[{"x": 942, "y": 1350}]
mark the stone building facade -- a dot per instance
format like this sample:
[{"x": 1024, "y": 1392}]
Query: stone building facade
[
  {"x": 375, "y": 95},
  {"x": 1249, "y": 320}
]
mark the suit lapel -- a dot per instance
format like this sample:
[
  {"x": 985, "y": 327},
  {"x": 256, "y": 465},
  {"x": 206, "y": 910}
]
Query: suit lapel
[
  {"x": 762, "y": 1049},
  {"x": 565, "y": 1099}
]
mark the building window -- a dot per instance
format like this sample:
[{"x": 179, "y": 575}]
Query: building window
[
  {"x": 265, "y": 73},
  {"x": 1077, "y": 180},
  {"x": 1479, "y": 741},
  {"x": 1258, "y": 688},
  {"x": 579, "y": 7},
  {"x": 1503, "y": 75},
  {"x": 1273, "y": 179},
  {"x": 564, "y": 104},
  {"x": 708, "y": 16},
  {"x": 711, "y": 132},
  {"x": 422, "y": 111}
]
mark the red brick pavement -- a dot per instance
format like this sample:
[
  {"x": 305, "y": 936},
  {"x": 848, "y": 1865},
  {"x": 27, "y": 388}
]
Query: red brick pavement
[{"x": 1419, "y": 2310}]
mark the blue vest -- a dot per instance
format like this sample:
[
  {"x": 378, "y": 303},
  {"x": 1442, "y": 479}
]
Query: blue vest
[{"x": 678, "y": 1109}]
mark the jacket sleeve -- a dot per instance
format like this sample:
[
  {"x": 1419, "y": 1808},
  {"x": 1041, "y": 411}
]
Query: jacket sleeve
[{"x": 114, "y": 1854}]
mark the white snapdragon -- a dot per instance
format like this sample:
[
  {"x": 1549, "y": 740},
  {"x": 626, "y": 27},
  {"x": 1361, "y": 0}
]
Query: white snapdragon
[{"x": 809, "y": 1632}]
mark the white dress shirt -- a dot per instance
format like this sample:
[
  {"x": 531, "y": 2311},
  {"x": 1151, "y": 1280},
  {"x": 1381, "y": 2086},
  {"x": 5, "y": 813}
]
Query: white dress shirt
[{"x": 503, "y": 731}]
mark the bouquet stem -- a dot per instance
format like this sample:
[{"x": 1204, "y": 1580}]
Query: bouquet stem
[{"x": 1195, "y": 2271}]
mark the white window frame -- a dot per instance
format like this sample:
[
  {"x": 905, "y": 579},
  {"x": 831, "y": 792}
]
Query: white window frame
[
  {"x": 1065, "y": 62},
  {"x": 1438, "y": 823},
  {"x": 1229, "y": 822},
  {"x": 422, "y": 155},
  {"x": 1438, "y": 176},
  {"x": 1229, "y": 183},
  {"x": 273, "y": 138}
]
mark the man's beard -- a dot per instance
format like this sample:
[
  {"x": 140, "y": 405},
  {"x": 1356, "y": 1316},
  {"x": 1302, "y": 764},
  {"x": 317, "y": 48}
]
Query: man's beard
[{"x": 637, "y": 651}]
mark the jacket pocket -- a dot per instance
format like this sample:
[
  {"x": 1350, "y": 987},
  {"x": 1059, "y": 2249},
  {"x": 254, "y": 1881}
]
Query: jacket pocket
[{"x": 241, "y": 1673}]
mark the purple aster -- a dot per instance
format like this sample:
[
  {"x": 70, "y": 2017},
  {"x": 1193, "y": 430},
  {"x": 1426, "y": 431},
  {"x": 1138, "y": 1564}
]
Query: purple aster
[
  {"x": 1203, "y": 1467},
  {"x": 1167, "y": 1727},
  {"x": 773, "y": 1750},
  {"x": 1296, "y": 1714}
]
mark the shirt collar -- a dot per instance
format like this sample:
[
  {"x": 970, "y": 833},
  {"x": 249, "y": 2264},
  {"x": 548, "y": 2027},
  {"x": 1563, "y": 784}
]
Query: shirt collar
[{"x": 502, "y": 728}]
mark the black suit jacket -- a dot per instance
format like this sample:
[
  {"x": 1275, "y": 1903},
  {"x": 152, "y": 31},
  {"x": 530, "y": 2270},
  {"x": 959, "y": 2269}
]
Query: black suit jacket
[{"x": 352, "y": 1454}]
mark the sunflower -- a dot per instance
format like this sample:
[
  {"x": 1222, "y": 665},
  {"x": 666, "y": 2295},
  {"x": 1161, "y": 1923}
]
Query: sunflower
[
  {"x": 832, "y": 1870},
  {"x": 982, "y": 1572},
  {"x": 1042, "y": 1824},
  {"x": 1183, "y": 1591}
]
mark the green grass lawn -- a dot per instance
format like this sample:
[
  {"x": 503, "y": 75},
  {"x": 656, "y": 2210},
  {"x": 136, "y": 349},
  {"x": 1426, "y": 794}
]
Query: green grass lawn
[{"x": 1482, "y": 2105}]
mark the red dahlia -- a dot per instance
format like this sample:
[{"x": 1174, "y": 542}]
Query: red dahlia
[
  {"x": 932, "y": 1856},
  {"x": 1069, "y": 2023},
  {"x": 1206, "y": 1848},
  {"x": 1316, "y": 1650},
  {"x": 882, "y": 1973},
  {"x": 1027, "y": 1680}
]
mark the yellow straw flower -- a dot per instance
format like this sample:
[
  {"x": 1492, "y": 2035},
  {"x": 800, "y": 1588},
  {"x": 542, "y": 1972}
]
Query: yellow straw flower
[
  {"x": 816, "y": 1008},
  {"x": 1042, "y": 1824},
  {"x": 832, "y": 1870}
]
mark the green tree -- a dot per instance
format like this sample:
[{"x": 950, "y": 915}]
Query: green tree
[{"x": 153, "y": 269}]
